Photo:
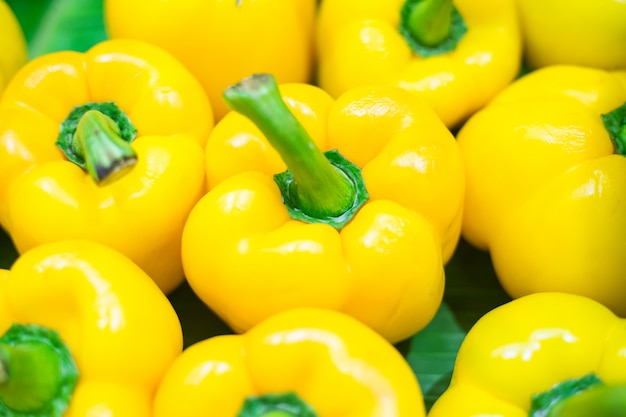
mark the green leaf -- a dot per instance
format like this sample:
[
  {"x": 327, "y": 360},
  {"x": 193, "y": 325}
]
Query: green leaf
[
  {"x": 58, "y": 25},
  {"x": 432, "y": 353}
]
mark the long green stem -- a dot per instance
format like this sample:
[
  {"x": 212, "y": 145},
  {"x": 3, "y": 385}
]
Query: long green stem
[{"x": 319, "y": 189}]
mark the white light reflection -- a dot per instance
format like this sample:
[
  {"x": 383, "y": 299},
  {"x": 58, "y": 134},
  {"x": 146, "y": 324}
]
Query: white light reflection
[
  {"x": 525, "y": 350},
  {"x": 200, "y": 372}
]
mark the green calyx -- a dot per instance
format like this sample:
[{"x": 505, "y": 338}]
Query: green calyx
[
  {"x": 431, "y": 27},
  {"x": 37, "y": 373},
  {"x": 317, "y": 187},
  {"x": 97, "y": 137},
  {"x": 276, "y": 405},
  {"x": 580, "y": 397},
  {"x": 615, "y": 124}
]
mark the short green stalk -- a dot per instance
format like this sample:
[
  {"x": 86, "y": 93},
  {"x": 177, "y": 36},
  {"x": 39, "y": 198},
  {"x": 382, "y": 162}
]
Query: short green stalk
[
  {"x": 317, "y": 187},
  {"x": 97, "y": 137},
  {"x": 37, "y": 373},
  {"x": 431, "y": 27}
]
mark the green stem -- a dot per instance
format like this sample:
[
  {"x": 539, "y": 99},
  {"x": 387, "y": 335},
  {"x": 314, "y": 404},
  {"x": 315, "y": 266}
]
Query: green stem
[
  {"x": 615, "y": 124},
  {"x": 276, "y": 405},
  {"x": 431, "y": 27},
  {"x": 598, "y": 401},
  {"x": 107, "y": 156},
  {"x": 430, "y": 21},
  {"x": 319, "y": 187},
  {"x": 97, "y": 137},
  {"x": 39, "y": 374}
]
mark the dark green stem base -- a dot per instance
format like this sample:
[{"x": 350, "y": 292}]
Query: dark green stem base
[
  {"x": 97, "y": 137},
  {"x": 276, "y": 405}
]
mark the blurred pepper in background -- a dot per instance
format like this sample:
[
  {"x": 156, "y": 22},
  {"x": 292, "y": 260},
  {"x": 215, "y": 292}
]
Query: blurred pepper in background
[
  {"x": 574, "y": 32},
  {"x": 223, "y": 41},
  {"x": 13, "y": 52}
]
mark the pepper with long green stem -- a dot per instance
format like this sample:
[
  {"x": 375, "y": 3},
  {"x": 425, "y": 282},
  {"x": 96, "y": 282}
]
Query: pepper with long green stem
[
  {"x": 314, "y": 189},
  {"x": 312, "y": 200}
]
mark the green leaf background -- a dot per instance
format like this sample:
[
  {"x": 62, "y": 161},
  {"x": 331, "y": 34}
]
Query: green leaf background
[{"x": 472, "y": 288}]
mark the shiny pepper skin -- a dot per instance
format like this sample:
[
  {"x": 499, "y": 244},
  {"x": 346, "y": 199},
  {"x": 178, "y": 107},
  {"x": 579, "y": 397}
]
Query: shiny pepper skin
[
  {"x": 247, "y": 259},
  {"x": 546, "y": 184},
  {"x": 334, "y": 363},
  {"x": 13, "y": 52},
  {"x": 220, "y": 41},
  {"x": 525, "y": 347},
  {"x": 121, "y": 330}
]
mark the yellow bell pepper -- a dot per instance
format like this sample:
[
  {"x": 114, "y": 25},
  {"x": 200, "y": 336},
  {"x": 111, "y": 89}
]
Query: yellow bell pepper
[
  {"x": 84, "y": 332},
  {"x": 535, "y": 349},
  {"x": 575, "y": 32},
  {"x": 221, "y": 42},
  {"x": 247, "y": 255},
  {"x": 298, "y": 363},
  {"x": 13, "y": 52},
  {"x": 546, "y": 179},
  {"x": 454, "y": 55},
  {"x": 125, "y": 113}
]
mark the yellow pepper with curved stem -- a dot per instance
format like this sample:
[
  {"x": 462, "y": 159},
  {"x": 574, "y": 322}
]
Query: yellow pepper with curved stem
[
  {"x": 84, "y": 332},
  {"x": 298, "y": 363},
  {"x": 455, "y": 55},
  {"x": 127, "y": 114},
  {"x": 527, "y": 346},
  {"x": 247, "y": 255},
  {"x": 557, "y": 32},
  {"x": 13, "y": 52},
  {"x": 546, "y": 176},
  {"x": 223, "y": 41}
]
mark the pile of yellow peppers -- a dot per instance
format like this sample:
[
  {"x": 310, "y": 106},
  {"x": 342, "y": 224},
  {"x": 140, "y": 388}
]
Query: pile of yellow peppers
[{"x": 308, "y": 168}]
